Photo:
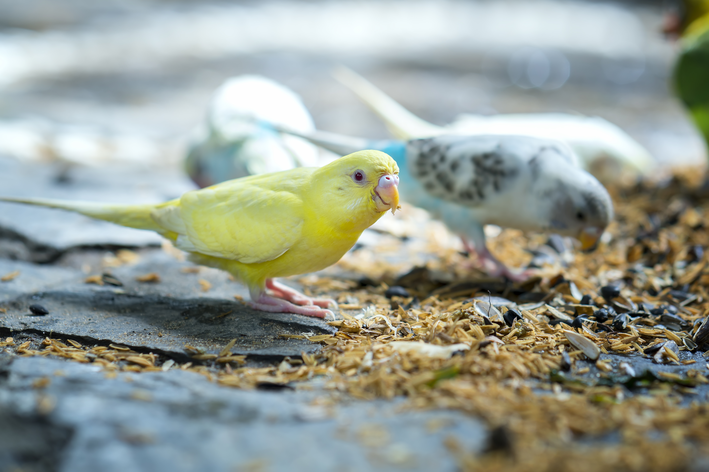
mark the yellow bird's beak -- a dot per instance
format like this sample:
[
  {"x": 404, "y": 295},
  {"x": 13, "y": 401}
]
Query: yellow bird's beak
[
  {"x": 589, "y": 238},
  {"x": 386, "y": 193}
]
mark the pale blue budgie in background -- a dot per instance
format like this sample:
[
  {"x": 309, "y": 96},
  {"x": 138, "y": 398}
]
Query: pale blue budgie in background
[
  {"x": 231, "y": 144},
  {"x": 521, "y": 182},
  {"x": 603, "y": 148}
]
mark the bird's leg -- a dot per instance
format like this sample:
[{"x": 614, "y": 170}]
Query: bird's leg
[
  {"x": 492, "y": 265},
  {"x": 282, "y": 291},
  {"x": 496, "y": 268}
]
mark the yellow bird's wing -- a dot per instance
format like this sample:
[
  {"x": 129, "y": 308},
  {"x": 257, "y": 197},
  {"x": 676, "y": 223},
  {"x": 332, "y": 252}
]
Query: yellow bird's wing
[{"x": 246, "y": 220}]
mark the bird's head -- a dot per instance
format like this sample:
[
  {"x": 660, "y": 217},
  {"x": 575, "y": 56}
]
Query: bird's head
[
  {"x": 582, "y": 210},
  {"x": 358, "y": 189}
]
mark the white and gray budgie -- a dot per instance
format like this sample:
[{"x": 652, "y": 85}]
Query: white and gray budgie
[
  {"x": 520, "y": 182},
  {"x": 603, "y": 147},
  {"x": 233, "y": 143}
]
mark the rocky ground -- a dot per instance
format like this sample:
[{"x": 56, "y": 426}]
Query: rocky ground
[
  {"x": 116, "y": 353},
  {"x": 144, "y": 362}
]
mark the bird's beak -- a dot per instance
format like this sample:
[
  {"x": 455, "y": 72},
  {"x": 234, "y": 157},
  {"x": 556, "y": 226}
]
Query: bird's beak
[
  {"x": 589, "y": 238},
  {"x": 386, "y": 193}
]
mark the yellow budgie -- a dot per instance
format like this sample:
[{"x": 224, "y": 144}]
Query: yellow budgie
[{"x": 266, "y": 226}]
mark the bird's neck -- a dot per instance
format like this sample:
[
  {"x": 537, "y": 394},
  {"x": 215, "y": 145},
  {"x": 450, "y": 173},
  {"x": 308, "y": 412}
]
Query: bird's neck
[{"x": 353, "y": 223}]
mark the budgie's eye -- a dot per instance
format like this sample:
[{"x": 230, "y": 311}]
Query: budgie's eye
[{"x": 358, "y": 176}]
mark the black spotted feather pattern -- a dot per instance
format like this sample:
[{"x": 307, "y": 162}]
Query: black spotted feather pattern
[{"x": 457, "y": 168}]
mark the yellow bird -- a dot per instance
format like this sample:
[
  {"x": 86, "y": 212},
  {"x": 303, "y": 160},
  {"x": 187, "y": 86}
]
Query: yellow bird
[{"x": 266, "y": 226}]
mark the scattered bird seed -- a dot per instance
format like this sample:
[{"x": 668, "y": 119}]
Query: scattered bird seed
[
  {"x": 609, "y": 292},
  {"x": 39, "y": 310},
  {"x": 601, "y": 315},
  {"x": 620, "y": 322},
  {"x": 578, "y": 322},
  {"x": 108, "y": 279},
  {"x": 396, "y": 291},
  {"x": 512, "y": 315}
]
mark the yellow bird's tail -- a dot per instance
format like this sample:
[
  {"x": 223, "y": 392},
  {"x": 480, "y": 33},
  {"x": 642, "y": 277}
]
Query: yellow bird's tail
[{"x": 132, "y": 216}]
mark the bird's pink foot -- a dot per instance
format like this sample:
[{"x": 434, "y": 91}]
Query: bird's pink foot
[
  {"x": 504, "y": 271},
  {"x": 494, "y": 267},
  {"x": 286, "y": 293},
  {"x": 266, "y": 302}
]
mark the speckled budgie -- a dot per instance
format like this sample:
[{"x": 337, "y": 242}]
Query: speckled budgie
[
  {"x": 518, "y": 182},
  {"x": 271, "y": 225}
]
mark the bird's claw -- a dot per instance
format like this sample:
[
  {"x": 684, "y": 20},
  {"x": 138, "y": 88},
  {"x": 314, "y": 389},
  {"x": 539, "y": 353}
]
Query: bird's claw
[
  {"x": 503, "y": 271},
  {"x": 278, "y": 305},
  {"x": 293, "y": 300}
]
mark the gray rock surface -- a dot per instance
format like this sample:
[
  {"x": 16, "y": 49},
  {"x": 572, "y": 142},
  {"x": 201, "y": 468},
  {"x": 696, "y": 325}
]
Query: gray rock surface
[
  {"x": 161, "y": 317},
  {"x": 41, "y": 235},
  {"x": 179, "y": 421}
]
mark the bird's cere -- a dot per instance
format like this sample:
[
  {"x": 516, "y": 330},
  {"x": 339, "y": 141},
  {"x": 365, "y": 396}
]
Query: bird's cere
[
  {"x": 589, "y": 238},
  {"x": 386, "y": 193}
]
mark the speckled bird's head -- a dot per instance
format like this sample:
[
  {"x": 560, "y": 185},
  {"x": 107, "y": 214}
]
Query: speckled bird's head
[{"x": 583, "y": 209}]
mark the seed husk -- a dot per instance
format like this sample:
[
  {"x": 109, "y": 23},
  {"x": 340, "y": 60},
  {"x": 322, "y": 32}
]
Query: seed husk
[
  {"x": 487, "y": 310},
  {"x": 575, "y": 292},
  {"x": 557, "y": 314},
  {"x": 668, "y": 353},
  {"x": 226, "y": 350},
  {"x": 627, "y": 369},
  {"x": 584, "y": 344},
  {"x": 689, "y": 344},
  {"x": 651, "y": 350},
  {"x": 583, "y": 310},
  {"x": 620, "y": 322},
  {"x": 701, "y": 336},
  {"x": 428, "y": 350},
  {"x": 204, "y": 285},
  {"x": 109, "y": 279},
  {"x": 152, "y": 278},
  {"x": 142, "y": 361},
  {"x": 9, "y": 277},
  {"x": 512, "y": 315}
]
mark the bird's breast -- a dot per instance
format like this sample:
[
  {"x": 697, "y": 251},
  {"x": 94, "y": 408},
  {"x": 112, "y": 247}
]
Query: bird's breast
[{"x": 315, "y": 251}]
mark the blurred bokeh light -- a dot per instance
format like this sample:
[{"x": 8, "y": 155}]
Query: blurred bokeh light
[{"x": 130, "y": 79}]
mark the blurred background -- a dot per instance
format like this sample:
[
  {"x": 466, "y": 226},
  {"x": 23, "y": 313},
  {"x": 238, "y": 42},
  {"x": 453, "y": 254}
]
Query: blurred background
[{"x": 132, "y": 78}]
